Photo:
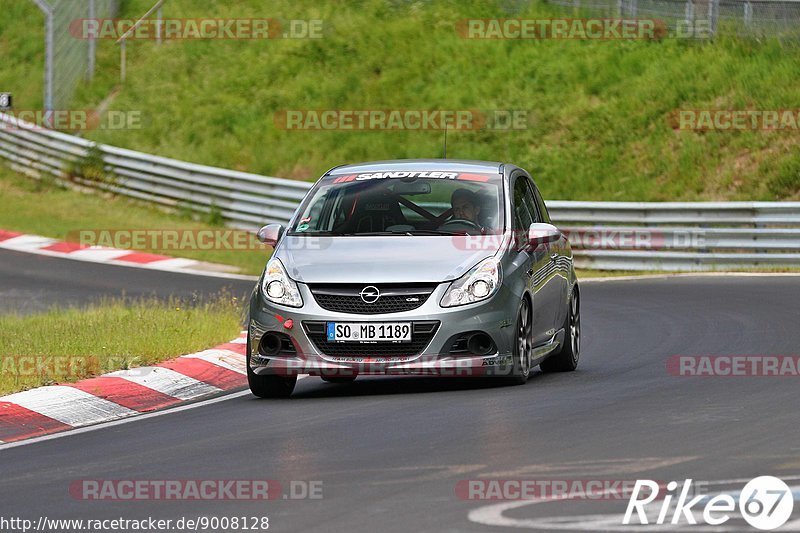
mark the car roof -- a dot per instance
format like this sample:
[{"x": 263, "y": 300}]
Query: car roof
[{"x": 451, "y": 165}]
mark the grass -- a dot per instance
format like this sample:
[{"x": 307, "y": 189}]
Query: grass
[
  {"x": 66, "y": 345},
  {"x": 600, "y": 111},
  {"x": 67, "y": 211},
  {"x": 22, "y": 45}
]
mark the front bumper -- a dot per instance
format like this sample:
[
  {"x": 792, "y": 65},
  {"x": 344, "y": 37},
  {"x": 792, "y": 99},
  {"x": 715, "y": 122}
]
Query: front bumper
[{"x": 494, "y": 317}]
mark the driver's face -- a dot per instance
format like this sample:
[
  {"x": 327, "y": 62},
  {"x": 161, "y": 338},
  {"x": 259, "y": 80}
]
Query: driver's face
[{"x": 465, "y": 209}]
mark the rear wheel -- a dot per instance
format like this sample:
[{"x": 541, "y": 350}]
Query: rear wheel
[
  {"x": 566, "y": 360},
  {"x": 523, "y": 343},
  {"x": 268, "y": 386}
]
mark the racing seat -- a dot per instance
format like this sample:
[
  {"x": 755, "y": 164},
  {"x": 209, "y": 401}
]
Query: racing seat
[
  {"x": 487, "y": 217},
  {"x": 375, "y": 211}
]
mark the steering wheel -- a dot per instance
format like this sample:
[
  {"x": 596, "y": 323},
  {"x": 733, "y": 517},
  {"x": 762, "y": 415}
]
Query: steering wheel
[{"x": 462, "y": 221}]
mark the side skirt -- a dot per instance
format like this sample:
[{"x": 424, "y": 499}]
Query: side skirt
[{"x": 541, "y": 352}]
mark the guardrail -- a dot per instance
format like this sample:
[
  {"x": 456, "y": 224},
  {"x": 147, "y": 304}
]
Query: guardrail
[
  {"x": 246, "y": 200},
  {"x": 605, "y": 235}
]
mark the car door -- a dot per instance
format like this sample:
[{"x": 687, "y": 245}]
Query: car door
[
  {"x": 562, "y": 262},
  {"x": 533, "y": 261}
]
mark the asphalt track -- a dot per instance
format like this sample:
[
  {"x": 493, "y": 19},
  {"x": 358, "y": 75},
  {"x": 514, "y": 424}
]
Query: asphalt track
[
  {"x": 31, "y": 283},
  {"x": 390, "y": 451}
]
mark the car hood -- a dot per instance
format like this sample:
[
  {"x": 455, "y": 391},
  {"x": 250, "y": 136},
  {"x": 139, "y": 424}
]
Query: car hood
[{"x": 389, "y": 259}]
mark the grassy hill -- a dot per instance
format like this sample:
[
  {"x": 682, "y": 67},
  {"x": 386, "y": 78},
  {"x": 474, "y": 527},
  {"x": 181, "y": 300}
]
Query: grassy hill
[{"x": 599, "y": 111}]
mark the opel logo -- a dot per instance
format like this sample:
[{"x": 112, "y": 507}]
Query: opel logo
[{"x": 370, "y": 294}]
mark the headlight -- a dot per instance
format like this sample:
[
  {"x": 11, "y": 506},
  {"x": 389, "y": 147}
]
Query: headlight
[
  {"x": 478, "y": 284},
  {"x": 278, "y": 288}
]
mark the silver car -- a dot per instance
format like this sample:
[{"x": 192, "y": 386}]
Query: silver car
[{"x": 415, "y": 267}]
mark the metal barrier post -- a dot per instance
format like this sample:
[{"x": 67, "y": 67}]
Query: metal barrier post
[
  {"x": 122, "y": 59},
  {"x": 158, "y": 26},
  {"x": 713, "y": 15},
  {"x": 92, "y": 44},
  {"x": 48, "y": 11}
]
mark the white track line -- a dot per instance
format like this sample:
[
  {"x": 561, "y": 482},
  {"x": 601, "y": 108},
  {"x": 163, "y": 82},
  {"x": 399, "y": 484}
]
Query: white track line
[
  {"x": 165, "y": 264},
  {"x": 68, "y": 405},
  {"x": 223, "y": 358},
  {"x": 690, "y": 275},
  {"x": 27, "y": 243},
  {"x": 167, "y": 381},
  {"x": 94, "y": 254},
  {"x": 33, "y": 244}
]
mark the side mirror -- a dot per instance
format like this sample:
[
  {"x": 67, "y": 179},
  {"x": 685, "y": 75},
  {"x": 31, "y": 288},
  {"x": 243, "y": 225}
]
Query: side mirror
[
  {"x": 539, "y": 233},
  {"x": 270, "y": 234}
]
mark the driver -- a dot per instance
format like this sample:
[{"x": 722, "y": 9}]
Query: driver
[{"x": 466, "y": 205}]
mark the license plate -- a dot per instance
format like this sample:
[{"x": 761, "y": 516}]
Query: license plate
[{"x": 369, "y": 331}]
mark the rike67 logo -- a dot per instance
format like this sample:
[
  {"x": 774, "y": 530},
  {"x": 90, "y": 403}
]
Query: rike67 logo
[{"x": 766, "y": 503}]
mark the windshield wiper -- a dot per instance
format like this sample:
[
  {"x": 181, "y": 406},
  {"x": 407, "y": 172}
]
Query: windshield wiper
[
  {"x": 408, "y": 232},
  {"x": 341, "y": 234},
  {"x": 375, "y": 233},
  {"x": 430, "y": 232}
]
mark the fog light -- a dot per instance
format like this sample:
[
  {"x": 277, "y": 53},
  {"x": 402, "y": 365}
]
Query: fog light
[
  {"x": 480, "y": 344},
  {"x": 270, "y": 344}
]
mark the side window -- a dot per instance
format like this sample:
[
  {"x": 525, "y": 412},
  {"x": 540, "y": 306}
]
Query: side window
[
  {"x": 530, "y": 201},
  {"x": 523, "y": 216},
  {"x": 545, "y": 216},
  {"x": 523, "y": 196}
]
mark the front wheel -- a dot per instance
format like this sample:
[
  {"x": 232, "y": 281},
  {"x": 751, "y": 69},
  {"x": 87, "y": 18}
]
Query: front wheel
[
  {"x": 268, "y": 386},
  {"x": 523, "y": 343},
  {"x": 566, "y": 360}
]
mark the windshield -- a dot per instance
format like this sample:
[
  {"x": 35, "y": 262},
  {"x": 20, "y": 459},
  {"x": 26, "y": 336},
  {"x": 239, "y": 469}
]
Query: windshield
[{"x": 403, "y": 203}]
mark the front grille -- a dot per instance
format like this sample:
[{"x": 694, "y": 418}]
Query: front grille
[
  {"x": 459, "y": 346},
  {"x": 393, "y": 299},
  {"x": 421, "y": 335}
]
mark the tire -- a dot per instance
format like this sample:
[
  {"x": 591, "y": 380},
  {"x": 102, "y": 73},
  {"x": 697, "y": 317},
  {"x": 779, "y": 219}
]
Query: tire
[
  {"x": 523, "y": 341},
  {"x": 566, "y": 360},
  {"x": 268, "y": 386},
  {"x": 338, "y": 379}
]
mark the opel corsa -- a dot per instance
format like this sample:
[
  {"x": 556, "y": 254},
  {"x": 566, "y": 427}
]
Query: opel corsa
[{"x": 414, "y": 267}]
